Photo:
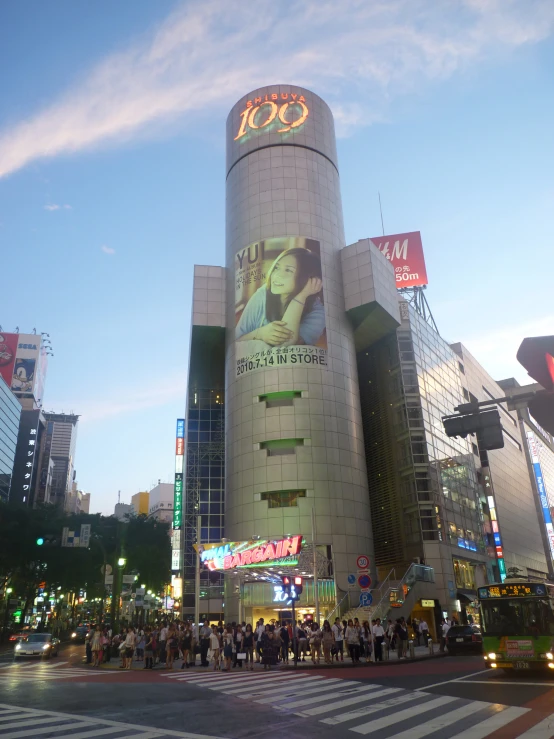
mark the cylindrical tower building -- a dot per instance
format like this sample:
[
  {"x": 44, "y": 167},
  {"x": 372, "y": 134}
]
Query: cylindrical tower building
[{"x": 293, "y": 425}]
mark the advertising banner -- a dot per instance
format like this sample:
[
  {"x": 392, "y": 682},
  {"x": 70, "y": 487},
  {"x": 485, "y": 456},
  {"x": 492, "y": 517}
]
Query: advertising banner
[
  {"x": 405, "y": 253},
  {"x": 536, "y": 462},
  {"x": 8, "y": 350},
  {"x": 25, "y": 372},
  {"x": 279, "y": 305}
]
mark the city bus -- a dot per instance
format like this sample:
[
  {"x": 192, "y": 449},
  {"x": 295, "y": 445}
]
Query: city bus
[{"x": 517, "y": 621}]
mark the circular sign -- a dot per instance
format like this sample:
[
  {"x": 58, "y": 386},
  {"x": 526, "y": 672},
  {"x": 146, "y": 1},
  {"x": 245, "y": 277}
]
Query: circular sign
[
  {"x": 364, "y": 581},
  {"x": 362, "y": 562},
  {"x": 351, "y": 579},
  {"x": 366, "y": 599}
]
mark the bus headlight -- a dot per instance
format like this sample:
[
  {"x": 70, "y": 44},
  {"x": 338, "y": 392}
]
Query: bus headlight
[
  {"x": 551, "y": 665},
  {"x": 492, "y": 655},
  {"x": 493, "y": 664},
  {"x": 549, "y": 655}
]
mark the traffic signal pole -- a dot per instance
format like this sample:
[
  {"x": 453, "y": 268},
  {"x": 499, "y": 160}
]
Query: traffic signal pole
[{"x": 294, "y": 637}]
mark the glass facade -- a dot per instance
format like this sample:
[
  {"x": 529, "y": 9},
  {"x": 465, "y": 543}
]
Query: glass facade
[
  {"x": 10, "y": 413},
  {"x": 423, "y": 486},
  {"x": 204, "y": 486}
]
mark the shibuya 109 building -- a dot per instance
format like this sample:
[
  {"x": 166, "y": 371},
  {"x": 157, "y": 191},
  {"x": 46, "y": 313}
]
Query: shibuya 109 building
[{"x": 290, "y": 460}]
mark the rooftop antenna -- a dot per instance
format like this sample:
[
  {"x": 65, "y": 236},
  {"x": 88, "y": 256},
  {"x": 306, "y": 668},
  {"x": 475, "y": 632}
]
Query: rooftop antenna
[
  {"x": 381, "y": 212},
  {"x": 119, "y": 496}
]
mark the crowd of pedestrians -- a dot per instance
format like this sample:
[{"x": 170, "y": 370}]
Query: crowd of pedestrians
[{"x": 229, "y": 646}]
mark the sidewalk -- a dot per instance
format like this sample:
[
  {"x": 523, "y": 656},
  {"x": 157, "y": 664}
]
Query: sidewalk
[{"x": 420, "y": 654}]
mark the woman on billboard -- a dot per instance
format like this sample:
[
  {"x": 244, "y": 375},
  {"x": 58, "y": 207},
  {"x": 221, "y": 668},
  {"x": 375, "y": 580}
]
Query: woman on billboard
[{"x": 288, "y": 309}]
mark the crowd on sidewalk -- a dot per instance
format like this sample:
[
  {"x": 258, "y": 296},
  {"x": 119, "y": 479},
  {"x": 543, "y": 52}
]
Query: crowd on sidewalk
[{"x": 241, "y": 645}]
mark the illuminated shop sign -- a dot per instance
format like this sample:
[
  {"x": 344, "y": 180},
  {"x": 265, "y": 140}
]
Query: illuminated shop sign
[
  {"x": 543, "y": 497},
  {"x": 494, "y": 523},
  {"x": 285, "y": 110},
  {"x": 178, "y": 485},
  {"x": 245, "y": 554}
]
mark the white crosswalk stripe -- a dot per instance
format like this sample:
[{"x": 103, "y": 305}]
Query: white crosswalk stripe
[
  {"x": 23, "y": 723},
  {"x": 372, "y": 709},
  {"x": 43, "y": 672}
]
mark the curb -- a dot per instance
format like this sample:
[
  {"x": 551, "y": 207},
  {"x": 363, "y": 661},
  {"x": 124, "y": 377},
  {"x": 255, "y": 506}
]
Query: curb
[{"x": 350, "y": 666}]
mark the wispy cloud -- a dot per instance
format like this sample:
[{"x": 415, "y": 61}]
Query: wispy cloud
[
  {"x": 92, "y": 410},
  {"x": 55, "y": 206},
  {"x": 107, "y": 249},
  {"x": 204, "y": 56}
]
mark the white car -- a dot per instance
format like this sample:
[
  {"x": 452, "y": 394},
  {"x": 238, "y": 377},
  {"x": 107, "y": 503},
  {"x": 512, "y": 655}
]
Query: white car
[{"x": 37, "y": 645}]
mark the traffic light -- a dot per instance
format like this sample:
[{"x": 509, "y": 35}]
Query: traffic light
[
  {"x": 287, "y": 584},
  {"x": 292, "y": 586},
  {"x": 486, "y": 424},
  {"x": 536, "y": 354},
  {"x": 47, "y": 541}
]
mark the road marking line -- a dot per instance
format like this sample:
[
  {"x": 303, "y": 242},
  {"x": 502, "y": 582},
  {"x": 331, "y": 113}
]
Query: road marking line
[
  {"x": 283, "y": 694},
  {"x": 119, "y": 725},
  {"x": 237, "y": 688},
  {"x": 507, "y": 682},
  {"x": 375, "y": 708},
  {"x": 315, "y": 683},
  {"x": 348, "y": 702},
  {"x": 29, "y": 721},
  {"x": 47, "y": 729},
  {"x": 454, "y": 680},
  {"x": 335, "y": 693},
  {"x": 544, "y": 730},
  {"x": 442, "y": 721},
  {"x": 500, "y": 719},
  {"x": 385, "y": 721}
]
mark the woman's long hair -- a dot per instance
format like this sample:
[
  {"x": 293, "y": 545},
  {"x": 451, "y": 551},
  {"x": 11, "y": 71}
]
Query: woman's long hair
[{"x": 308, "y": 265}]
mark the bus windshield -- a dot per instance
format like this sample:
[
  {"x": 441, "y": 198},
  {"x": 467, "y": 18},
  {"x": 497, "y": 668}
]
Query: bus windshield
[{"x": 518, "y": 617}]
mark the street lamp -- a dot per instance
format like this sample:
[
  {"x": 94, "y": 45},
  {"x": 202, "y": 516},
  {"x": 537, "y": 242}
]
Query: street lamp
[
  {"x": 9, "y": 590},
  {"x": 122, "y": 562}
]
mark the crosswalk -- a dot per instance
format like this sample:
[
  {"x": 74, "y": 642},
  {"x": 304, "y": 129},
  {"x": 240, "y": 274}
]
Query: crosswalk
[
  {"x": 370, "y": 709},
  {"x": 23, "y": 723},
  {"x": 41, "y": 671}
]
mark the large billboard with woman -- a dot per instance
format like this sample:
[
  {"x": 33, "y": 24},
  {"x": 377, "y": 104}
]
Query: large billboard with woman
[{"x": 279, "y": 306}]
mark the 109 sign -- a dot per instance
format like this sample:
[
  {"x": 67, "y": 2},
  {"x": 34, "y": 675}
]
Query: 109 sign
[{"x": 259, "y": 113}]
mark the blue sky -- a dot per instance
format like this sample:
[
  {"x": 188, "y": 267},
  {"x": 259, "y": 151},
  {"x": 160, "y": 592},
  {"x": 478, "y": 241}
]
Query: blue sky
[{"x": 112, "y": 180}]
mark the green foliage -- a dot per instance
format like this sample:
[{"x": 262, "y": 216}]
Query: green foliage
[{"x": 145, "y": 544}]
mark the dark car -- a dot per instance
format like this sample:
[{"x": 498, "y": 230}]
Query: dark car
[
  {"x": 464, "y": 640},
  {"x": 79, "y": 634}
]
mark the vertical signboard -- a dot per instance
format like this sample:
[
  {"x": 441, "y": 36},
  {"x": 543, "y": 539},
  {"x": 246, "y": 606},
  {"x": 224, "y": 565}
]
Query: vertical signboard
[
  {"x": 279, "y": 311},
  {"x": 405, "y": 253},
  {"x": 179, "y": 464},
  {"x": 541, "y": 487}
]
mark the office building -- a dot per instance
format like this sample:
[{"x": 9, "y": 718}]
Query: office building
[
  {"x": 160, "y": 502},
  {"x": 317, "y": 386},
  {"x": 123, "y": 511},
  {"x": 76, "y": 501},
  {"x": 10, "y": 412},
  {"x": 139, "y": 501},
  {"x": 57, "y": 458}
]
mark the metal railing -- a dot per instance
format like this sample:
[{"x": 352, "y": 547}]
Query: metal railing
[{"x": 414, "y": 573}]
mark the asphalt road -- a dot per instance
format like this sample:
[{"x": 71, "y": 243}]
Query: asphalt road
[{"x": 449, "y": 697}]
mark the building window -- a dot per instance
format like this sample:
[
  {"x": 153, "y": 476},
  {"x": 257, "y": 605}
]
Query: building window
[
  {"x": 461, "y": 368},
  {"x": 474, "y": 449},
  {"x": 466, "y": 394},
  {"x": 511, "y": 439},
  {"x": 283, "y": 498}
]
